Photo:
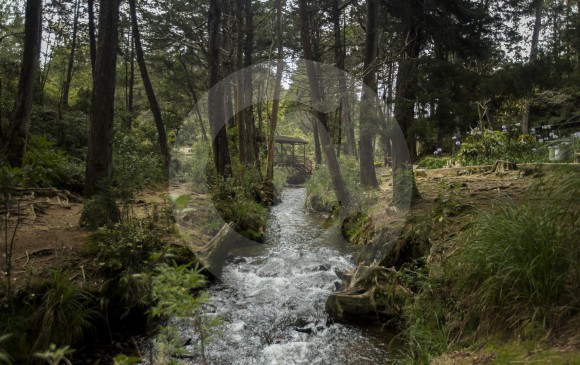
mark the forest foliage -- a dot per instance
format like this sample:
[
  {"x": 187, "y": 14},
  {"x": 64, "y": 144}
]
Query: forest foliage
[{"x": 94, "y": 94}]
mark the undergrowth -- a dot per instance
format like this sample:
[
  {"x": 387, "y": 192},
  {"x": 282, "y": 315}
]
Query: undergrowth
[
  {"x": 238, "y": 199},
  {"x": 520, "y": 266},
  {"x": 513, "y": 274},
  {"x": 429, "y": 162},
  {"x": 320, "y": 192}
]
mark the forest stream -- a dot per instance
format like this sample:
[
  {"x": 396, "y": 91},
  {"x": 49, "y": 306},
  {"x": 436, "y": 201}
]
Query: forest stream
[{"x": 271, "y": 299}]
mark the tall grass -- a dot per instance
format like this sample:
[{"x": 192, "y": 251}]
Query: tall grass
[
  {"x": 65, "y": 314},
  {"x": 520, "y": 264}
]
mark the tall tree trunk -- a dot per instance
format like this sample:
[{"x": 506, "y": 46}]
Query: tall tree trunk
[
  {"x": 368, "y": 116},
  {"x": 221, "y": 153},
  {"x": 346, "y": 124},
  {"x": 92, "y": 36},
  {"x": 71, "y": 60},
  {"x": 339, "y": 59},
  {"x": 20, "y": 122},
  {"x": 403, "y": 141},
  {"x": 131, "y": 78},
  {"x": 155, "y": 110},
  {"x": 1, "y": 112},
  {"x": 342, "y": 194},
  {"x": 228, "y": 65},
  {"x": 277, "y": 90},
  {"x": 249, "y": 89},
  {"x": 100, "y": 153},
  {"x": 239, "y": 88},
  {"x": 538, "y": 8},
  {"x": 406, "y": 87}
]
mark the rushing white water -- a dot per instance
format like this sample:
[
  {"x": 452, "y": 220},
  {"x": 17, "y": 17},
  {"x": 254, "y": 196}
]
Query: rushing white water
[{"x": 272, "y": 296}]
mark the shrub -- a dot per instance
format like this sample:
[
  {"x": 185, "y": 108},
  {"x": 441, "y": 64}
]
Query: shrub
[
  {"x": 99, "y": 211},
  {"x": 433, "y": 162},
  {"x": 135, "y": 166},
  {"x": 237, "y": 199},
  {"x": 126, "y": 246},
  {"x": 248, "y": 216},
  {"x": 193, "y": 168},
  {"x": 520, "y": 266},
  {"x": 125, "y": 253},
  {"x": 321, "y": 196},
  {"x": 176, "y": 290},
  {"x": 280, "y": 179},
  {"x": 489, "y": 146}
]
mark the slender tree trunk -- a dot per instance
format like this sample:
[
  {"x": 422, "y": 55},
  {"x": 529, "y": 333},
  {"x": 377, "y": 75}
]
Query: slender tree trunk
[
  {"x": 71, "y": 60},
  {"x": 126, "y": 64},
  {"x": 342, "y": 194},
  {"x": 368, "y": 116},
  {"x": 239, "y": 88},
  {"x": 316, "y": 137},
  {"x": 339, "y": 59},
  {"x": 1, "y": 112},
  {"x": 277, "y": 90},
  {"x": 538, "y": 8},
  {"x": 347, "y": 124},
  {"x": 92, "y": 36},
  {"x": 100, "y": 153},
  {"x": 155, "y": 110},
  {"x": 194, "y": 97},
  {"x": 249, "y": 89},
  {"x": 229, "y": 96},
  {"x": 228, "y": 43},
  {"x": 131, "y": 79},
  {"x": 221, "y": 153},
  {"x": 20, "y": 122},
  {"x": 50, "y": 46}
]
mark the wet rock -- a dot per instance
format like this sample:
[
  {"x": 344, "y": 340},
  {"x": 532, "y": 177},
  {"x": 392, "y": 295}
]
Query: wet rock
[
  {"x": 307, "y": 329},
  {"x": 345, "y": 276},
  {"x": 324, "y": 267},
  {"x": 311, "y": 327}
]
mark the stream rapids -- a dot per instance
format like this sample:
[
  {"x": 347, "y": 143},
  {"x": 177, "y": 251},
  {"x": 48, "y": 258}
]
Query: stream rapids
[{"x": 271, "y": 300}]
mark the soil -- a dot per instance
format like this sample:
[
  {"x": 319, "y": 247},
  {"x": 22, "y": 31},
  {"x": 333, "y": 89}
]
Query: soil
[{"x": 49, "y": 235}]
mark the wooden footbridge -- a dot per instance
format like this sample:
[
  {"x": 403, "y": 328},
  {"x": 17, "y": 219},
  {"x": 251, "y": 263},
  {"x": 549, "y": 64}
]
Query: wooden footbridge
[{"x": 286, "y": 156}]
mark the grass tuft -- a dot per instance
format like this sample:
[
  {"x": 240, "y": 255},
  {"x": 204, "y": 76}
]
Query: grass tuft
[{"x": 519, "y": 266}]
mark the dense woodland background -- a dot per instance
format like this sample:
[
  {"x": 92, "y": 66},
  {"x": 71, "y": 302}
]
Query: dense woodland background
[
  {"x": 99, "y": 98},
  {"x": 97, "y": 80}
]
